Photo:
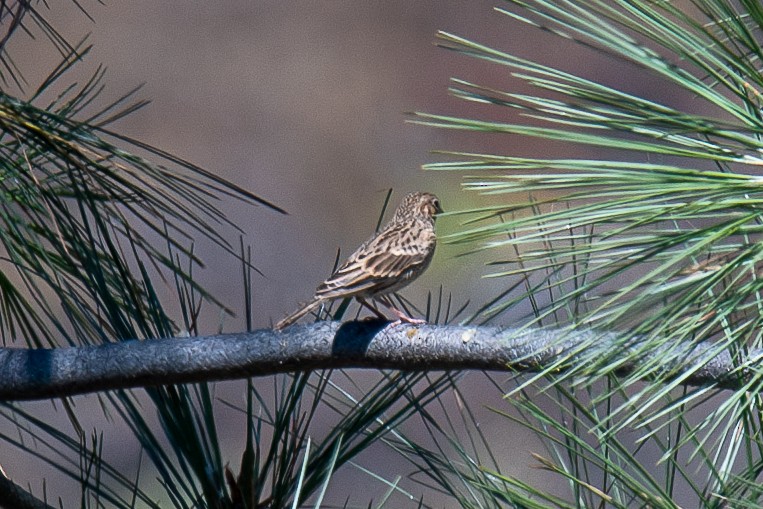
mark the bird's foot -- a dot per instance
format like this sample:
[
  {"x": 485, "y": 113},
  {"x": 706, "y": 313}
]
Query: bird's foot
[{"x": 403, "y": 318}]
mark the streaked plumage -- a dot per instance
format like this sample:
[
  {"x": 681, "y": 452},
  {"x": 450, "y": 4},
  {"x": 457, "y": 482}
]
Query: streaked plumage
[{"x": 396, "y": 255}]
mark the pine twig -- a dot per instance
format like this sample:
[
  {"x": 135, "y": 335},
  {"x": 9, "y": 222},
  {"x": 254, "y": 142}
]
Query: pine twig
[{"x": 13, "y": 496}]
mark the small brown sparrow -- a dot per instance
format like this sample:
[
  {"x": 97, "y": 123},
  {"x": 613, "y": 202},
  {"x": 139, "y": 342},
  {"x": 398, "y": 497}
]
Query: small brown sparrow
[{"x": 396, "y": 255}]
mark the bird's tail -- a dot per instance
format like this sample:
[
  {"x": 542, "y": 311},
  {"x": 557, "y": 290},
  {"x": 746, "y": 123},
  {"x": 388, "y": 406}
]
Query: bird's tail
[{"x": 290, "y": 319}]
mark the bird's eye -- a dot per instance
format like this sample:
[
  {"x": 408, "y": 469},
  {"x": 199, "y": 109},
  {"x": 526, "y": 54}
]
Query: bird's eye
[{"x": 436, "y": 204}]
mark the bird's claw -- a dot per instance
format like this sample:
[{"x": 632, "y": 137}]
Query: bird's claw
[{"x": 403, "y": 318}]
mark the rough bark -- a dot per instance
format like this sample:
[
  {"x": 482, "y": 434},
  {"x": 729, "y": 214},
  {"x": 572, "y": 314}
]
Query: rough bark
[{"x": 46, "y": 373}]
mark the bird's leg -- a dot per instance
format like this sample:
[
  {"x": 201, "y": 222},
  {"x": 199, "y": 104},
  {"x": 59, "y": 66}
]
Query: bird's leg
[
  {"x": 401, "y": 316},
  {"x": 375, "y": 311}
]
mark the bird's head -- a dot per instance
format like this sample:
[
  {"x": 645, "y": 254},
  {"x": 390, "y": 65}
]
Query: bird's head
[{"x": 419, "y": 205}]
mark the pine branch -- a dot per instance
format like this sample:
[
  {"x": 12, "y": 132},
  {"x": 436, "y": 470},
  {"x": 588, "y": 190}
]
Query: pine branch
[{"x": 45, "y": 373}]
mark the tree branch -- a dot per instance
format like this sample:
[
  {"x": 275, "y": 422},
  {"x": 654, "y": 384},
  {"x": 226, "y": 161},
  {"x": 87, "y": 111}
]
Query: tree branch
[{"x": 45, "y": 373}]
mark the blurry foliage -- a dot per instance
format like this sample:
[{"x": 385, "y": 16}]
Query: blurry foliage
[{"x": 659, "y": 240}]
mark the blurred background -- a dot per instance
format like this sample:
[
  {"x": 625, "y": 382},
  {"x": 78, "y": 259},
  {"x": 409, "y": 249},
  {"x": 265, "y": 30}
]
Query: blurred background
[{"x": 305, "y": 104}]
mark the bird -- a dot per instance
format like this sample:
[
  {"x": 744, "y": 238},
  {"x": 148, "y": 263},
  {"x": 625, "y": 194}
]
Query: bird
[{"x": 391, "y": 259}]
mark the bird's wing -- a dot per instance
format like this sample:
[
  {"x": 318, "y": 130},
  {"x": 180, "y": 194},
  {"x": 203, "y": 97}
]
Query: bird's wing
[{"x": 382, "y": 262}]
